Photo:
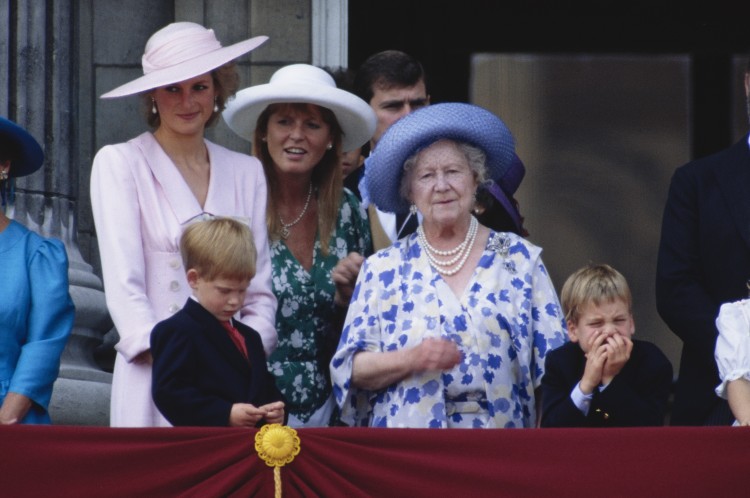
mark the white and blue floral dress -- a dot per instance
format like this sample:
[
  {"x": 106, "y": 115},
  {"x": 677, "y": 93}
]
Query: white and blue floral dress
[
  {"x": 504, "y": 324},
  {"x": 305, "y": 316}
]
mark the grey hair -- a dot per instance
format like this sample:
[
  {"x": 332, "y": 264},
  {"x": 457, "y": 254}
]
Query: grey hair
[{"x": 475, "y": 156}]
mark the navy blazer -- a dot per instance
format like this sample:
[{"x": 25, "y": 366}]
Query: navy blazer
[
  {"x": 199, "y": 373},
  {"x": 703, "y": 262},
  {"x": 637, "y": 396}
]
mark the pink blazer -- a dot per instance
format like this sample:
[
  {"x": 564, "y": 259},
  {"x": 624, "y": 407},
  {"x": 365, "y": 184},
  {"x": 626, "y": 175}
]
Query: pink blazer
[{"x": 141, "y": 204}]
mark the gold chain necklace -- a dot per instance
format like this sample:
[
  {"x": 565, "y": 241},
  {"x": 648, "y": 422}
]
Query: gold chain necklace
[{"x": 286, "y": 226}]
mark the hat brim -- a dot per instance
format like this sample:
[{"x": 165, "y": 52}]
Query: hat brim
[
  {"x": 508, "y": 206},
  {"x": 356, "y": 118},
  {"x": 456, "y": 121},
  {"x": 31, "y": 154},
  {"x": 186, "y": 70}
]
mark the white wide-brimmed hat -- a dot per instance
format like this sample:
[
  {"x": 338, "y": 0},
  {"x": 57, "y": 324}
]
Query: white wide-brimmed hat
[
  {"x": 178, "y": 52},
  {"x": 306, "y": 84}
]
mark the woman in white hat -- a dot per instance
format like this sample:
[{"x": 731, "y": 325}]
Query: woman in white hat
[
  {"x": 144, "y": 192},
  {"x": 299, "y": 123},
  {"x": 36, "y": 311},
  {"x": 448, "y": 327}
]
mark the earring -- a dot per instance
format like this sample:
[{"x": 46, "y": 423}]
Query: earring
[
  {"x": 216, "y": 104},
  {"x": 153, "y": 106},
  {"x": 413, "y": 209},
  {"x": 4, "y": 174},
  {"x": 329, "y": 146},
  {"x": 264, "y": 139}
]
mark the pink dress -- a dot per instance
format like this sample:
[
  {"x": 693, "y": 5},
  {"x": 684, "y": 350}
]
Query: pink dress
[{"x": 141, "y": 204}]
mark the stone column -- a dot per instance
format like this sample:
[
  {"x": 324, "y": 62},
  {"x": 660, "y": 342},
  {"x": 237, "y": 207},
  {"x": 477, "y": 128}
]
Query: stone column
[{"x": 40, "y": 95}]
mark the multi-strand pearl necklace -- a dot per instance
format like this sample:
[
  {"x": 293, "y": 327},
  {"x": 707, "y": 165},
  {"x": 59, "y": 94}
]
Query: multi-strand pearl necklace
[
  {"x": 460, "y": 253},
  {"x": 286, "y": 226}
]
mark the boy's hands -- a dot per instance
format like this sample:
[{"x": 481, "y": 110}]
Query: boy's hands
[
  {"x": 274, "y": 412},
  {"x": 618, "y": 353},
  {"x": 595, "y": 359},
  {"x": 607, "y": 354},
  {"x": 247, "y": 415}
]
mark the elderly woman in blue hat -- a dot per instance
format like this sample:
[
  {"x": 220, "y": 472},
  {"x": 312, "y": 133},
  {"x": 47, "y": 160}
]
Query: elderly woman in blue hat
[
  {"x": 299, "y": 123},
  {"x": 36, "y": 311},
  {"x": 449, "y": 326}
]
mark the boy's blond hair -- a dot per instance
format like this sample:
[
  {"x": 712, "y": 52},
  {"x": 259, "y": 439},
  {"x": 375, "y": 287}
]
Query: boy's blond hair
[
  {"x": 594, "y": 283},
  {"x": 219, "y": 247}
]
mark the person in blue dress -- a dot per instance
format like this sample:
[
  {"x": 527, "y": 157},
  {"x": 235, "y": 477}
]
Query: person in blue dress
[
  {"x": 448, "y": 327},
  {"x": 36, "y": 312}
]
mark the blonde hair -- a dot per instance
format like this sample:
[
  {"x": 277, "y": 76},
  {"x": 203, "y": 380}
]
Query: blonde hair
[
  {"x": 326, "y": 177},
  {"x": 594, "y": 283},
  {"x": 219, "y": 247}
]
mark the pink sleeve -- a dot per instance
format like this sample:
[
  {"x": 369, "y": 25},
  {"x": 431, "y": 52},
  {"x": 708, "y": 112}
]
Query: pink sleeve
[
  {"x": 259, "y": 311},
  {"x": 116, "y": 210}
]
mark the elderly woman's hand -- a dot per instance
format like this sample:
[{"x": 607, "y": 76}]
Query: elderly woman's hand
[
  {"x": 378, "y": 370},
  {"x": 434, "y": 354},
  {"x": 344, "y": 276}
]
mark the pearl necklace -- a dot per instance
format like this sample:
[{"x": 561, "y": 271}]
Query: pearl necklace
[
  {"x": 461, "y": 252},
  {"x": 286, "y": 226}
]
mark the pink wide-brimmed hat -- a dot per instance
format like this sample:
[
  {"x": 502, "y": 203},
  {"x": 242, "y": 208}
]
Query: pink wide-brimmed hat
[{"x": 178, "y": 52}]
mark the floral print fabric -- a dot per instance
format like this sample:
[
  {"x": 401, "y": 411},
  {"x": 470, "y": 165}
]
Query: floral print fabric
[
  {"x": 305, "y": 311},
  {"x": 505, "y": 322}
]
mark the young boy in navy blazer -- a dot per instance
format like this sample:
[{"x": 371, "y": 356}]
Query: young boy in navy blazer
[
  {"x": 210, "y": 370},
  {"x": 603, "y": 377}
]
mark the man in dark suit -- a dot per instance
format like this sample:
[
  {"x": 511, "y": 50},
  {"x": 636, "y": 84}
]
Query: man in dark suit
[
  {"x": 208, "y": 369},
  {"x": 394, "y": 84},
  {"x": 704, "y": 261}
]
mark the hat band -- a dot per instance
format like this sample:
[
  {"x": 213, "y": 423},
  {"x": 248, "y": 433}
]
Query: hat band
[{"x": 179, "y": 49}]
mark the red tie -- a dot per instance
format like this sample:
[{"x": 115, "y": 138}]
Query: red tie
[{"x": 237, "y": 338}]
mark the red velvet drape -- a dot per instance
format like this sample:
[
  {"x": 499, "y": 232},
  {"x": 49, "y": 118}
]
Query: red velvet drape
[{"x": 88, "y": 461}]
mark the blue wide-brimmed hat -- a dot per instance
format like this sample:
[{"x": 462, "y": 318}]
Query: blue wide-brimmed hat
[
  {"x": 456, "y": 121},
  {"x": 30, "y": 155}
]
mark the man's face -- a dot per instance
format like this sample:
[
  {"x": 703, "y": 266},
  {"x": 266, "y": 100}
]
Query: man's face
[{"x": 392, "y": 103}]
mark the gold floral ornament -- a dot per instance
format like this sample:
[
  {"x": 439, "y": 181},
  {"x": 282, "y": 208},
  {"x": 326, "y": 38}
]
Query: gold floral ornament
[{"x": 277, "y": 445}]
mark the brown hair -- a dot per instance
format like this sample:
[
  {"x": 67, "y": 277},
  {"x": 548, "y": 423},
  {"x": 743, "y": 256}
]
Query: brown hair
[
  {"x": 326, "y": 176},
  {"x": 594, "y": 283},
  {"x": 226, "y": 82},
  {"x": 385, "y": 70},
  {"x": 219, "y": 247}
]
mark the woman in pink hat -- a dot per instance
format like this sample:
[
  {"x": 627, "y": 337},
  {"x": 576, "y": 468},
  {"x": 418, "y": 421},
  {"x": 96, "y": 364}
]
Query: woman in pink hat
[
  {"x": 145, "y": 191},
  {"x": 298, "y": 123}
]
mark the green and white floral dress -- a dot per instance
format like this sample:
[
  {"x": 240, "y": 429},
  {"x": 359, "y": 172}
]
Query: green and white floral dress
[{"x": 305, "y": 317}]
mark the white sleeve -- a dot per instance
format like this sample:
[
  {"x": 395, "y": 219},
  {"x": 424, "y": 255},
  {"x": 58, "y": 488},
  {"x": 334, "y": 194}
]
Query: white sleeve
[{"x": 733, "y": 343}]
